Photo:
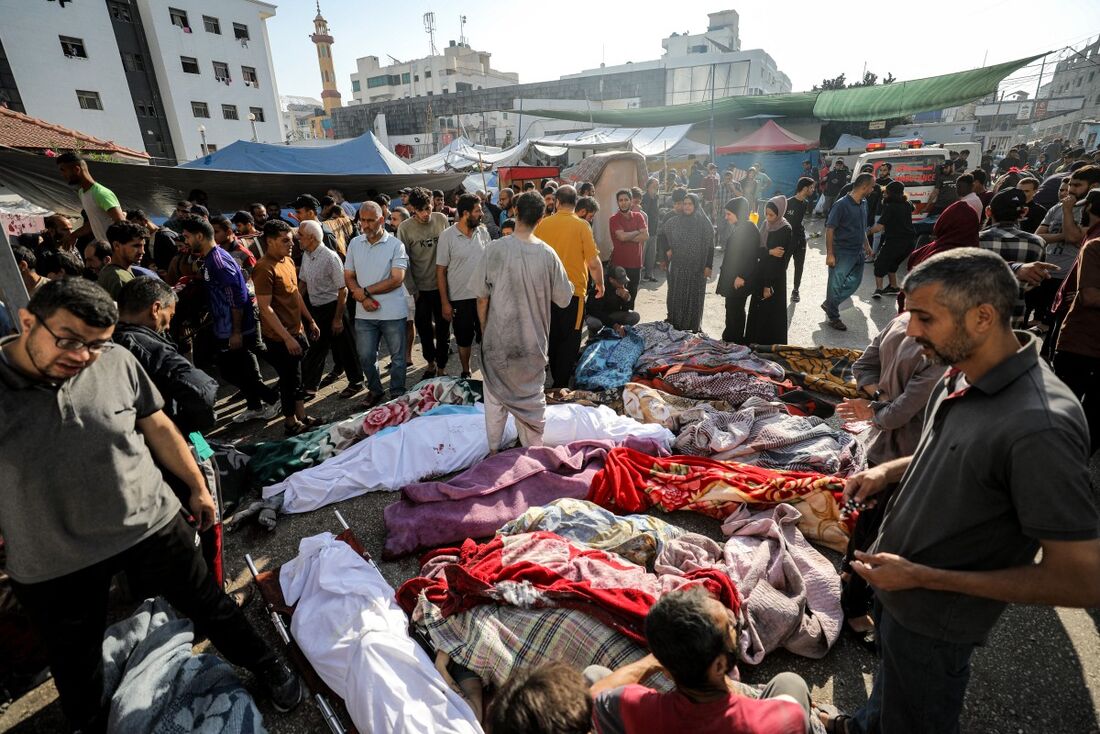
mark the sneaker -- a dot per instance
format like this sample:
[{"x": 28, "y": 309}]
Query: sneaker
[
  {"x": 282, "y": 685},
  {"x": 838, "y": 325},
  {"x": 878, "y": 293},
  {"x": 794, "y": 296},
  {"x": 891, "y": 290},
  {"x": 466, "y": 376},
  {"x": 266, "y": 413}
]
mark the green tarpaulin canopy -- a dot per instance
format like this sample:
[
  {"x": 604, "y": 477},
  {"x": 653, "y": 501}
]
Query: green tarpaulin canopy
[{"x": 860, "y": 103}]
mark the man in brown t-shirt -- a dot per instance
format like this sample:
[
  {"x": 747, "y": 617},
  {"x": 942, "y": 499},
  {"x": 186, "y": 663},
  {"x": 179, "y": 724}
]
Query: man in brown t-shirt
[{"x": 282, "y": 313}]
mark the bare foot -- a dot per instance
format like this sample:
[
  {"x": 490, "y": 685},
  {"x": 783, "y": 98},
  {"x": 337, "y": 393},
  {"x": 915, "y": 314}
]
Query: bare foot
[{"x": 861, "y": 624}]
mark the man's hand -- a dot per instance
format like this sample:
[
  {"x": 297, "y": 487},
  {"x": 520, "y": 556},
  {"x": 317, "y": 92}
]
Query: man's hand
[
  {"x": 1035, "y": 273},
  {"x": 236, "y": 341},
  {"x": 706, "y": 273},
  {"x": 599, "y": 290},
  {"x": 337, "y": 326},
  {"x": 1068, "y": 201},
  {"x": 622, "y": 293},
  {"x": 830, "y": 260},
  {"x": 855, "y": 409},
  {"x": 202, "y": 508},
  {"x": 370, "y": 304},
  {"x": 776, "y": 252},
  {"x": 314, "y": 331},
  {"x": 866, "y": 484},
  {"x": 293, "y": 346},
  {"x": 887, "y": 571},
  {"x": 358, "y": 294},
  {"x": 448, "y": 311},
  {"x": 767, "y": 293},
  {"x": 738, "y": 282}
]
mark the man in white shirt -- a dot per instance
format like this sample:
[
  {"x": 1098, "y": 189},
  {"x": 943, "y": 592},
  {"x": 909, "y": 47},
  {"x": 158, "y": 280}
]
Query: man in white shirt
[
  {"x": 374, "y": 272},
  {"x": 458, "y": 254},
  {"x": 321, "y": 278}
]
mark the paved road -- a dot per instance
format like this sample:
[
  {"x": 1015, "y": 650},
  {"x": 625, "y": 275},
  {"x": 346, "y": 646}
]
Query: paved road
[{"x": 1039, "y": 673}]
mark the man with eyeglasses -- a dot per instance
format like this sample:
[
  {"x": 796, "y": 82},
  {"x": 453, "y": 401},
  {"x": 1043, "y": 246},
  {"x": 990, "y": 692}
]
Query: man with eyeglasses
[{"x": 70, "y": 525}]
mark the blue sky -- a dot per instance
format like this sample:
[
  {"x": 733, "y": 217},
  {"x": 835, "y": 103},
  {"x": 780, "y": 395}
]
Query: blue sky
[{"x": 807, "y": 41}]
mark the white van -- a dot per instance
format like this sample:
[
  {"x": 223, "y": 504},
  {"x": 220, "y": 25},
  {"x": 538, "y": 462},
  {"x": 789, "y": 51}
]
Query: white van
[{"x": 916, "y": 168}]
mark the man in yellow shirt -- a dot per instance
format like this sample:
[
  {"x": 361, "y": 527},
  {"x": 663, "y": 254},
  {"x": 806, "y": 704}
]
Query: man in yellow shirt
[{"x": 571, "y": 238}]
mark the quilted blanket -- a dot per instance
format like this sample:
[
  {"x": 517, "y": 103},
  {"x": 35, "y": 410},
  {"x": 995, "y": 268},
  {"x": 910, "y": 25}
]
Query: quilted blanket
[
  {"x": 542, "y": 570},
  {"x": 632, "y": 482}
]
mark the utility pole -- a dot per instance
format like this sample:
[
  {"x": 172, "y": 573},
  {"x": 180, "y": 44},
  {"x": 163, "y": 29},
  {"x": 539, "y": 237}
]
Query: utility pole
[
  {"x": 712, "y": 85},
  {"x": 1039, "y": 84},
  {"x": 429, "y": 28}
]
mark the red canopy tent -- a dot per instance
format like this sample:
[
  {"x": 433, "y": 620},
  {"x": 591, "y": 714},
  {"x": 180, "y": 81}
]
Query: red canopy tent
[{"x": 770, "y": 138}]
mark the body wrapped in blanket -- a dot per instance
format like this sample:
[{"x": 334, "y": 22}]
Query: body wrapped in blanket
[
  {"x": 355, "y": 637},
  {"x": 633, "y": 482}
]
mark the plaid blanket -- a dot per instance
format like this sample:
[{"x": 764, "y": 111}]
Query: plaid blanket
[
  {"x": 496, "y": 641},
  {"x": 667, "y": 348},
  {"x": 823, "y": 369},
  {"x": 764, "y": 434},
  {"x": 631, "y": 482}
]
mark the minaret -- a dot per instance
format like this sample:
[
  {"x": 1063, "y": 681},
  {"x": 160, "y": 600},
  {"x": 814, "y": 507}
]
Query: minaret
[{"x": 330, "y": 96}]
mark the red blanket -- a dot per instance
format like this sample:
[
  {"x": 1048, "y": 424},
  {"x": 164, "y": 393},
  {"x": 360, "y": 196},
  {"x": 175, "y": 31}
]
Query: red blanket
[
  {"x": 633, "y": 482},
  {"x": 542, "y": 569}
]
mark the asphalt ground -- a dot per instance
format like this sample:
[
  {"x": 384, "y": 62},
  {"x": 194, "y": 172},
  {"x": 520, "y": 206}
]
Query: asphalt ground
[{"x": 1040, "y": 671}]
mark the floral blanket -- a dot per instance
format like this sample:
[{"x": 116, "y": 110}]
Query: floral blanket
[
  {"x": 632, "y": 482},
  {"x": 823, "y": 369},
  {"x": 650, "y": 405},
  {"x": 273, "y": 461},
  {"x": 544, "y": 570},
  {"x": 637, "y": 538}
]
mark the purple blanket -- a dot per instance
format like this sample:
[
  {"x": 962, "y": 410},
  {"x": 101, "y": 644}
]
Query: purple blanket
[{"x": 477, "y": 502}]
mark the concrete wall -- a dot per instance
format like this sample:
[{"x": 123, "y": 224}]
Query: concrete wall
[
  {"x": 48, "y": 80},
  {"x": 169, "y": 42},
  {"x": 409, "y": 116}
]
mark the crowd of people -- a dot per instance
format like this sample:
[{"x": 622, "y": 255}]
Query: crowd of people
[{"x": 928, "y": 570}]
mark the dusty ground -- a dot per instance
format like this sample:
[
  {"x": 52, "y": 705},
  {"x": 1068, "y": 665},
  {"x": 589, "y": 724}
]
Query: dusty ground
[{"x": 1039, "y": 673}]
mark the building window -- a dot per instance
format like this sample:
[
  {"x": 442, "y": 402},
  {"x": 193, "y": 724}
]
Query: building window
[
  {"x": 355, "y": 85},
  {"x": 146, "y": 109},
  {"x": 240, "y": 32},
  {"x": 416, "y": 77},
  {"x": 449, "y": 72},
  {"x": 133, "y": 62},
  {"x": 248, "y": 73},
  {"x": 229, "y": 111},
  {"x": 385, "y": 80},
  {"x": 463, "y": 87},
  {"x": 221, "y": 71},
  {"x": 179, "y": 18},
  {"x": 190, "y": 64},
  {"x": 211, "y": 25},
  {"x": 199, "y": 109},
  {"x": 210, "y": 148},
  {"x": 405, "y": 78},
  {"x": 257, "y": 112},
  {"x": 428, "y": 74},
  {"x": 702, "y": 49},
  {"x": 120, "y": 11},
  {"x": 88, "y": 100},
  {"x": 73, "y": 47}
]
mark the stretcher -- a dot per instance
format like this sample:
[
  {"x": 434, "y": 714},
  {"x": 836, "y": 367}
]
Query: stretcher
[{"x": 280, "y": 613}]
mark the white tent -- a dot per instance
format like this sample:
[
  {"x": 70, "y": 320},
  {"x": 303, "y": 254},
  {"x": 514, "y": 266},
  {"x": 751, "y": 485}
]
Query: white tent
[{"x": 650, "y": 142}]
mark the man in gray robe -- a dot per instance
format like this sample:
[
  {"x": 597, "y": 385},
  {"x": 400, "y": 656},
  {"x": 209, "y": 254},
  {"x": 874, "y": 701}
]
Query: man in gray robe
[{"x": 519, "y": 276}]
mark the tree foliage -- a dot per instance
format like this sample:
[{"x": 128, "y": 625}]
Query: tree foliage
[{"x": 870, "y": 79}]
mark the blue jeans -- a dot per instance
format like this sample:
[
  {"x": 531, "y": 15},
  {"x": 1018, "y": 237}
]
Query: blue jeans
[
  {"x": 368, "y": 332},
  {"x": 920, "y": 683},
  {"x": 844, "y": 280}
]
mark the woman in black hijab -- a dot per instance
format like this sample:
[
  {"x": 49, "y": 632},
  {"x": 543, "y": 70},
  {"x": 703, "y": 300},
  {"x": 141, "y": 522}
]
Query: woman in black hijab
[
  {"x": 739, "y": 262},
  {"x": 768, "y": 312}
]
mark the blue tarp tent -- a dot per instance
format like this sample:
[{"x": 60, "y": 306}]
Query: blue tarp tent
[{"x": 362, "y": 155}]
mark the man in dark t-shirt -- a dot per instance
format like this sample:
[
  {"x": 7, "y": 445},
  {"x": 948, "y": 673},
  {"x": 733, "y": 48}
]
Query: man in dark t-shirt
[{"x": 946, "y": 562}]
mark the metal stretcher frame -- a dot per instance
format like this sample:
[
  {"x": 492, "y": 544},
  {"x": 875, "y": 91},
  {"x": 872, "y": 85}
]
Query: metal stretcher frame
[{"x": 267, "y": 583}]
